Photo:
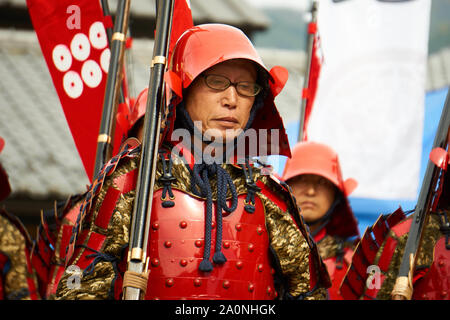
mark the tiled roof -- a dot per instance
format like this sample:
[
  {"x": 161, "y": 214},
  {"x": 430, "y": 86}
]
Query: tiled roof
[
  {"x": 234, "y": 12},
  {"x": 39, "y": 151},
  {"x": 40, "y": 155}
]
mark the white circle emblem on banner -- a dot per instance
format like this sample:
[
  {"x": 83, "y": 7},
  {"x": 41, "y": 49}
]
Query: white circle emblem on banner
[
  {"x": 80, "y": 47},
  {"x": 73, "y": 85},
  {"x": 62, "y": 58},
  {"x": 104, "y": 59},
  {"x": 91, "y": 73},
  {"x": 97, "y": 35}
]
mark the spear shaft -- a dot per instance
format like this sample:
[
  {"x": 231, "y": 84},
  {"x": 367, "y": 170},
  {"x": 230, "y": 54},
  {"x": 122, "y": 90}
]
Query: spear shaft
[
  {"x": 137, "y": 254},
  {"x": 113, "y": 87},
  {"x": 109, "y": 33}
]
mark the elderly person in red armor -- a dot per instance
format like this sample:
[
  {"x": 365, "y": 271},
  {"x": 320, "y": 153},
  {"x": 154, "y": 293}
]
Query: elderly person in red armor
[
  {"x": 315, "y": 177},
  {"x": 218, "y": 230}
]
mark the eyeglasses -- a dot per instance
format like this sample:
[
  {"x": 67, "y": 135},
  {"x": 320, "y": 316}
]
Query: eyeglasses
[{"x": 245, "y": 88}]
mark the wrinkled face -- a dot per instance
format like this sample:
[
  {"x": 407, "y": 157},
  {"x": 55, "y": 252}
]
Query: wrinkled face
[
  {"x": 222, "y": 112},
  {"x": 314, "y": 195}
]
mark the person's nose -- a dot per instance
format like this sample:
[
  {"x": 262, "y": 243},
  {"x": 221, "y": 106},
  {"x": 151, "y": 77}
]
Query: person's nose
[
  {"x": 230, "y": 97},
  {"x": 310, "y": 189}
]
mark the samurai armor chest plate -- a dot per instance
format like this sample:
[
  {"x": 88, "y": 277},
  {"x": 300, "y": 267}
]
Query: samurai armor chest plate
[
  {"x": 176, "y": 247},
  {"x": 435, "y": 285},
  {"x": 337, "y": 268}
]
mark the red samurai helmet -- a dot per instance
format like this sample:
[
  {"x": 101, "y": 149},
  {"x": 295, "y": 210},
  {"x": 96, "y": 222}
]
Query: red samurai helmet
[
  {"x": 204, "y": 46},
  {"x": 319, "y": 159}
]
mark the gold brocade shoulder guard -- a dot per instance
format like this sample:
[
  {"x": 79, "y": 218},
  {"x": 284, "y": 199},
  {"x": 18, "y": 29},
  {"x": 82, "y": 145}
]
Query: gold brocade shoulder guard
[
  {"x": 330, "y": 246},
  {"x": 431, "y": 234},
  {"x": 19, "y": 283}
]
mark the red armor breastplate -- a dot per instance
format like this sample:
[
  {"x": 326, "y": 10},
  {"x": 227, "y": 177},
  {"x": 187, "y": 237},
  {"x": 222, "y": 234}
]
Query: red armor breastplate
[
  {"x": 336, "y": 269},
  {"x": 176, "y": 245},
  {"x": 435, "y": 285},
  {"x": 337, "y": 273}
]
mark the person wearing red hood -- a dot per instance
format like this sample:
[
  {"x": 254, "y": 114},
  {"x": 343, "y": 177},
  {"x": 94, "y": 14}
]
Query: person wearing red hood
[
  {"x": 218, "y": 230},
  {"x": 315, "y": 177}
]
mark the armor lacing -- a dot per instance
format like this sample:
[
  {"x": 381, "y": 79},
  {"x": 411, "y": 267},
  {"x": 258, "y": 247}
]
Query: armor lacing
[
  {"x": 166, "y": 179},
  {"x": 340, "y": 252},
  {"x": 98, "y": 257},
  {"x": 201, "y": 186},
  {"x": 252, "y": 188}
]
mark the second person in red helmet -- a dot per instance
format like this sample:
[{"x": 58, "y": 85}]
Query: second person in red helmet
[{"x": 314, "y": 175}]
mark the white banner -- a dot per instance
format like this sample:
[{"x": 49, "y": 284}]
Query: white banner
[{"x": 370, "y": 100}]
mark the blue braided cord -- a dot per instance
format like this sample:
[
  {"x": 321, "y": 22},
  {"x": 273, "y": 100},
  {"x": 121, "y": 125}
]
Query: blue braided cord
[
  {"x": 99, "y": 257},
  {"x": 200, "y": 185}
]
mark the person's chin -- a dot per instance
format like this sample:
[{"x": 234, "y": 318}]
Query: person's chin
[{"x": 309, "y": 214}]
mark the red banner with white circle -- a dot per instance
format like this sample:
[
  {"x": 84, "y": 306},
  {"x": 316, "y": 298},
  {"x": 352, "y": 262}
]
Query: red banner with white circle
[{"x": 74, "y": 43}]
